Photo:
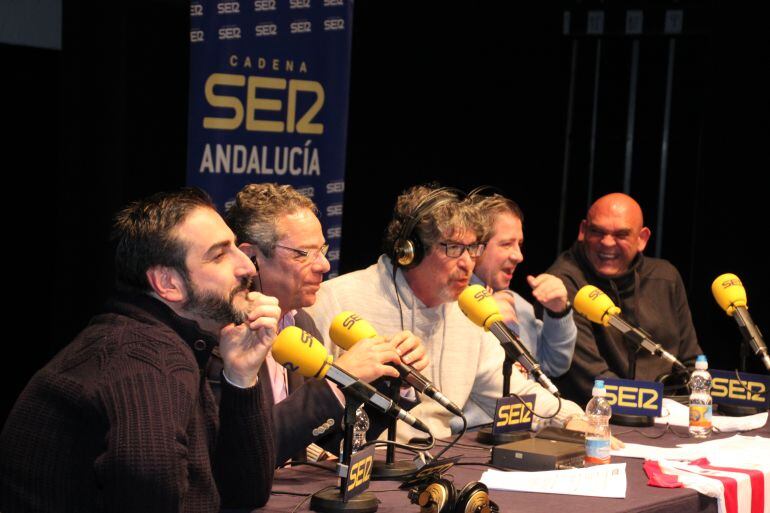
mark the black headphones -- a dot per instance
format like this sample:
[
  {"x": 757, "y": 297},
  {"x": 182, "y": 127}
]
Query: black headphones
[
  {"x": 440, "y": 496},
  {"x": 485, "y": 190},
  {"x": 408, "y": 249}
]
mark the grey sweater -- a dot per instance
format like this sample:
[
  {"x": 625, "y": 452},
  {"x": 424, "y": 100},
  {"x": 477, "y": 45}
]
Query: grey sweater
[{"x": 465, "y": 362}]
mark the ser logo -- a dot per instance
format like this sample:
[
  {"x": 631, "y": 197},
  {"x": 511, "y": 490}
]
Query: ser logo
[
  {"x": 228, "y": 8},
  {"x": 306, "y": 191},
  {"x": 594, "y": 294},
  {"x": 307, "y": 338},
  {"x": 481, "y": 295},
  {"x": 334, "y": 233},
  {"x": 632, "y": 397},
  {"x": 732, "y": 389},
  {"x": 196, "y": 10},
  {"x": 334, "y": 24},
  {"x": 266, "y": 29},
  {"x": 264, "y": 5},
  {"x": 335, "y": 187},
  {"x": 735, "y": 282},
  {"x": 360, "y": 473},
  {"x": 300, "y": 27},
  {"x": 334, "y": 210},
  {"x": 513, "y": 414},
  {"x": 299, "y": 4},
  {"x": 350, "y": 321},
  {"x": 334, "y": 3},
  {"x": 196, "y": 36},
  {"x": 245, "y": 111},
  {"x": 229, "y": 33}
]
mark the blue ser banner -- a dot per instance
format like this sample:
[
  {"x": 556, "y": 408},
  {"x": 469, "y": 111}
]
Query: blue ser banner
[
  {"x": 634, "y": 397},
  {"x": 269, "y": 84},
  {"x": 743, "y": 389}
]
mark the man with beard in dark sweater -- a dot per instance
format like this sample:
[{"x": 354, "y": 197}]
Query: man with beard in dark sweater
[
  {"x": 649, "y": 291},
  {"x": 121, "y": 420}
]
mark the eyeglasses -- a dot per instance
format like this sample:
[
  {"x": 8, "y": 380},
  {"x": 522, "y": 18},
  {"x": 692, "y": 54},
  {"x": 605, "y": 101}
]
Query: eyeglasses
[
  {"x": 455, "y": 250},
  {"x": 307, "y": 255}
]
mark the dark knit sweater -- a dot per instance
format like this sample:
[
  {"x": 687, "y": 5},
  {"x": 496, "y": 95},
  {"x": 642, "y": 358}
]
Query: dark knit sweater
[
  {"x": 120, "y": 420},
  {"x": 651, "y": 295}
]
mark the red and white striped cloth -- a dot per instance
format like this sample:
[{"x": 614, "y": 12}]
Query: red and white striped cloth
[{"x": 738, "y": 489}]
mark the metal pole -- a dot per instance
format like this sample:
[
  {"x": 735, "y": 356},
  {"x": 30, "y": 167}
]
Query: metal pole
[
  {"x": 567, "y": 147},
  {"x": 634, "y": 79},
  {"x": 664, "y": 148}
]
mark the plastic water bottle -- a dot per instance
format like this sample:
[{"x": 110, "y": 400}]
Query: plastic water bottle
[
  {"x": 598, "y": 413},
  {"x": 700, "y": 399},
  {"x": 360, "y": 426}
]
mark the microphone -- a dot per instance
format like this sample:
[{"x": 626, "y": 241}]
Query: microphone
[
  {"x": 348, "y": 328},
  {"x": 480, "y": 307},
  {"x": 597, "y": 307},
  {"x": 299, "y": 351},
  {"x": 731, "y": 296}
]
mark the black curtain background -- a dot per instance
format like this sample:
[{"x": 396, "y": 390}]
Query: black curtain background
[{"x": 465, "y": 94}]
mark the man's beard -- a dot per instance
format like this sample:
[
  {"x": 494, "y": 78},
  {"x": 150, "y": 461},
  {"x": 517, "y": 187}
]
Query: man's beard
[
  {"x": 212, "y": 306},
  {"x": 446, "y": 293}
]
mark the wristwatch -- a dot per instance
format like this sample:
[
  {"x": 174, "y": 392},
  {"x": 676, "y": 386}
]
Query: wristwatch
[{"x": 559, "y": 315}]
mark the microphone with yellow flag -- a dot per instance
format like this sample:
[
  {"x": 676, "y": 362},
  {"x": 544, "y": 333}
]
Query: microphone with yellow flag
[
  {"x": 299, "y": 351},
  {"x": 597, "y": 307},
  {"x": 731, "y": 296}
]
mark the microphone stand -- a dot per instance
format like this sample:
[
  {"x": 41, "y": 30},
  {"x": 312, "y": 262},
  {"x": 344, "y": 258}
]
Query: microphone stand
[
  {"x": 633, "y": 346},
  {"x": 734, "y": 410},
  {"x": 332, "y": 501},
  {"x": 485, "y": 435},
  {"x": 391, "y": 469}
]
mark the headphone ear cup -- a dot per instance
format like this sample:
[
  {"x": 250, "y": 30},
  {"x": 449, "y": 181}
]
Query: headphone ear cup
[
  {"x": 409, "y": 252},
  {"x": 404, "y": 252},
  {"x": 419, "y": 251},
  {"x": 437, "y": 497},
  {"x": 473, "y": 498},
  {"x": 407, "y": 248}
]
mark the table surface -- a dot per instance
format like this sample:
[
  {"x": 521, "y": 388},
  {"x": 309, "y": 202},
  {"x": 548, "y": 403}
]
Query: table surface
[{"x": 640, "y": 497}]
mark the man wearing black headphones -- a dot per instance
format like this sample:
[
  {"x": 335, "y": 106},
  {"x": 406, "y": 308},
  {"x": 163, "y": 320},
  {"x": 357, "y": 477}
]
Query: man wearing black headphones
[
  {"x": 278, "y": 229},
  {"x": 431, "y": 247}
]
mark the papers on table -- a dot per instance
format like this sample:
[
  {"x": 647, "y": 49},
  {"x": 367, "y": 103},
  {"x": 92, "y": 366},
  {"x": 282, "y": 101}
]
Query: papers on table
[
  {"x": 727, "y": 450},
  {"x": 678, "y": 414},
  {"x": 597, "y": 481},
  {"x": 738, "y": 450}
]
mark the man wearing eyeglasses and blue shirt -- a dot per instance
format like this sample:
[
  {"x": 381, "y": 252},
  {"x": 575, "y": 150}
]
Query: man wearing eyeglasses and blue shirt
[
  {"x": 431, "y": 247},
  {"x": 277, "y": 228}
]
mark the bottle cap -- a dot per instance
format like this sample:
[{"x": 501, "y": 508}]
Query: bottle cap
[
  {"x": 701, "y": 363},
  {"x": 599, "y": 389}
]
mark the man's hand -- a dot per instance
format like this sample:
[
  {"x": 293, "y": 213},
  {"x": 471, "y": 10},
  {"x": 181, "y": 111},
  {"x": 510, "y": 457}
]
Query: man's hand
[
  {"x": 410, "y": 349},
  {"x": 549, "y": 291},
  {"x": 244, "y": 347},
  {"x": 505, "y": 303},
  {"x": 367, "y": 359}
]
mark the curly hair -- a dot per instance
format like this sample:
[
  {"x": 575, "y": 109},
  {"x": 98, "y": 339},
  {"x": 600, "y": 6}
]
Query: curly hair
[
  {"x": 144, "y": 232},
  {"x": 254, "y": 214},
  {"x": 449, "y": 215}
]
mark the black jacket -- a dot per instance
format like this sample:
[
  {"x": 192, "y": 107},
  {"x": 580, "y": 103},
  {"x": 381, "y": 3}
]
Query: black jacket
[{"x": 651, "y": 295}]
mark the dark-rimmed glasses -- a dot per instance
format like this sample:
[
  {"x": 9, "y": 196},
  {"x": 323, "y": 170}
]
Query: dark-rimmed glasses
[{"x": 455, "y": 250}]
